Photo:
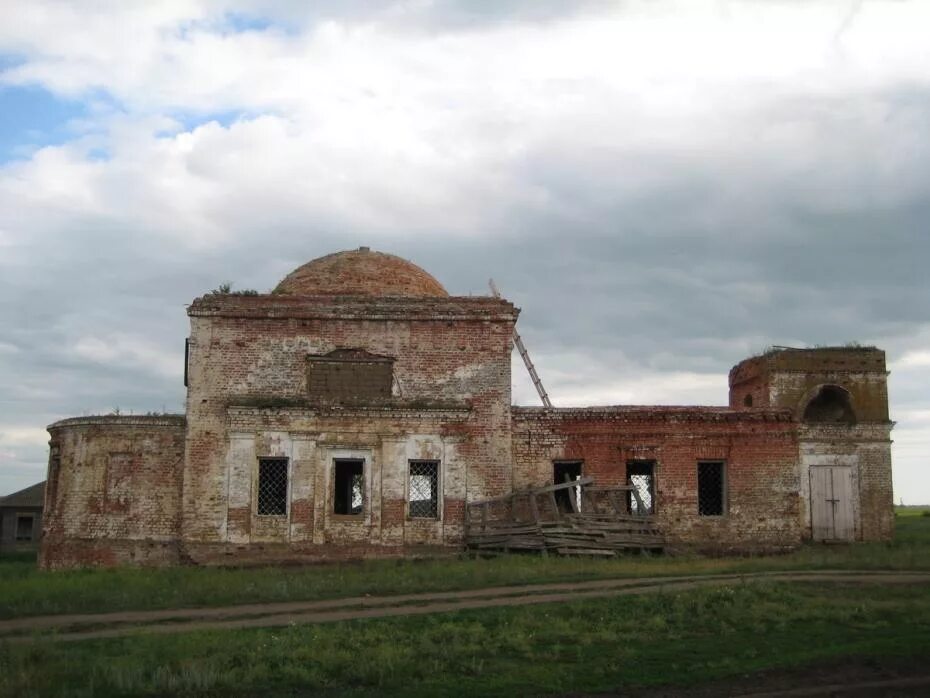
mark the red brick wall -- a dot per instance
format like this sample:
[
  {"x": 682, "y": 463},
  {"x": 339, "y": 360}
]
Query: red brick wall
[{"x": 759, "y": 447}]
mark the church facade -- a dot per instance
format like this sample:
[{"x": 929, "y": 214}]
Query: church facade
[{"x": 353, "y": 411}]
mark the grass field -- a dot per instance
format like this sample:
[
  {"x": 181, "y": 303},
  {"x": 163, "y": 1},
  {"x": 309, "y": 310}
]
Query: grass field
[
  {"x": 26, "y": 591},
  {"x": 666, "y": 638}
]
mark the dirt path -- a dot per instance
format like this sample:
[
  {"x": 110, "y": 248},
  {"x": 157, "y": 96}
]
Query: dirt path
[{"x": 106, "y": 625}]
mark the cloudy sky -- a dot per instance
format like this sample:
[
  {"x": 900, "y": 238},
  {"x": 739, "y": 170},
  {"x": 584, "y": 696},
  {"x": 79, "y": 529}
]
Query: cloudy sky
[{"x": 663, "y": 187}]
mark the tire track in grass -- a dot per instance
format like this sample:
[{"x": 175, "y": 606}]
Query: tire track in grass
[{"x": 76, "y": 627}]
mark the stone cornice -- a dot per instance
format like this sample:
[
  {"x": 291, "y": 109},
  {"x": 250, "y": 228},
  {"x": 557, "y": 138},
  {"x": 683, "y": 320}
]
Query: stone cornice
[
  {"x": 119, "y": 420},
  {"x": 271, "y": 306}
]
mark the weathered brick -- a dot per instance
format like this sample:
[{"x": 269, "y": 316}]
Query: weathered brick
[{"x": 364, "y": 356}]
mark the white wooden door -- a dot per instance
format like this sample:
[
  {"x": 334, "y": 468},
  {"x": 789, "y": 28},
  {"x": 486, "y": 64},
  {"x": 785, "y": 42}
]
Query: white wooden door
[{"x": 831, "y": 503}]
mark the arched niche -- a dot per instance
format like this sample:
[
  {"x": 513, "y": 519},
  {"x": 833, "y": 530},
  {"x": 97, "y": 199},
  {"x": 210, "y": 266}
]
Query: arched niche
[{"x": 830, "y": 404}]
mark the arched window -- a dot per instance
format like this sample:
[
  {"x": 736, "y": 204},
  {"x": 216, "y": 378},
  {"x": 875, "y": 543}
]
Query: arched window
[
  {"x": 830, "y": 405},
  {"x": 747, "y": 401}
]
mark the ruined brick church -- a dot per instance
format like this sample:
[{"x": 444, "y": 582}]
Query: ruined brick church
[{"x": 356, "y": 409}]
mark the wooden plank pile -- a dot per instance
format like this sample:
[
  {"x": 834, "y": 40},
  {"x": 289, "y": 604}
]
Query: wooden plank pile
[{"x": 590, "y": 521}]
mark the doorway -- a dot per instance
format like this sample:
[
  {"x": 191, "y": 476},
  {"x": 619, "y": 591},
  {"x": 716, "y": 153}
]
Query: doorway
[
  {"x": 348, "y": 494},
  {"x": 831, "y": 503},
  {"x": 640, "y": 474},
  {"x": 568, "y": 500}
]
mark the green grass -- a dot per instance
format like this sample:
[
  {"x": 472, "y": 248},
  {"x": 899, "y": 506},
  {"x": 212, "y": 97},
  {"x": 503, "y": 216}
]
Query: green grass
[
  {"x": 26, "y": 591},
  {"x": 596, "y": 645}
]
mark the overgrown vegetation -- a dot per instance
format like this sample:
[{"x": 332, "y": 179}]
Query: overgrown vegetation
[
  {"x": 26, "y": 591},
  {"x": 226, "y": 289},
  {"x": 597, "y": 645}
]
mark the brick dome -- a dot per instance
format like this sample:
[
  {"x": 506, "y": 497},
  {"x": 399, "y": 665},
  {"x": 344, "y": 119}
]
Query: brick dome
[{"x": 360, "y": 272}]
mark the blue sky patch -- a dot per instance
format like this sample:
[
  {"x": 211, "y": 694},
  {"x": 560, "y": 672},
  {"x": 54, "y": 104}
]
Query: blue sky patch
[{"x": 31, "y": 118}]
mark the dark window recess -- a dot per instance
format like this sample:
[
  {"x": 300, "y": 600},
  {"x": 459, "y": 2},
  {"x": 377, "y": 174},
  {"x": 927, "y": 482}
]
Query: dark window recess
[
  {"x": 272, "y": 486},
  {"x": 424, "y": 489},
  {"x": 24, "y": 526},
  {"x": 349, "y": 486},
  {"x": 51, "y": 485},
  {"x": 350, "y": 375},
  {"x": 747, "y": 401},
  {"x": 710, "y": 488},
  {"x": 565, "y": 471},
  {"x": 641, "y": 475},
  {"x": 831, "y": 404},
  {"x": 187, "y": 357}
]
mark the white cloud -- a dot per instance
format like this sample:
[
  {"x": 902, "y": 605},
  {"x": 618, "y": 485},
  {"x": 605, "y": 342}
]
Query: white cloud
[
  {"x": 689, "y": 134},
  {"x": 138, "y": 353},
  {"x": 19, "y": 436},
  {"x": 913, "y": 359}
]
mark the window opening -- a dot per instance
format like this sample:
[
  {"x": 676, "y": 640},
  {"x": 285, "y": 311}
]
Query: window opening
[
  {"x": 272, "y": 486},
  {"x": 348, "y": 494},
  {"x": 641, "y": 475},
  {"x": 187, "y": 360},
  {"x": 569, "y": 499},
  {"x": 830, "y": 405},
  {"x": 710, "y": 488},
  {"x": 24, "y": 525},
  {"x": 424, "y": 489},
  {"x": 747, "y": 401},
  {"x": 51, "y": 485}
]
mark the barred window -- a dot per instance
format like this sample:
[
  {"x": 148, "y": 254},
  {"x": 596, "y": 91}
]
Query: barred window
[
  {"x": 272, "y": 486},
  {"x": 641, "y": 475},
  {"x": 711, "y": 492},
  {"x": 348, "y": 478},
  {"x": 424, "y": 489}
]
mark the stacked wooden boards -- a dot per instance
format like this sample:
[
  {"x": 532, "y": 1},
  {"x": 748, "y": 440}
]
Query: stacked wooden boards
[{"x": 532, "y": 520}]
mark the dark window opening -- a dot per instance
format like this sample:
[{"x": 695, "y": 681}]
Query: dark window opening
[
  {"x": 272, "y": 486},
  {"x": 187, "y": 359},
  {"x": 424, "y": 489},
  {"x": 24, "y": 525},
  {"x": 349, "y": 486},
  {"x": 830, "y": 405},
  {"x": 566, "y": 471},
  {"x": 747, "y": 401},
  {"x": 51, "y": 485},
  {"x": 710, "y": 488},
  {"x": 641, "y": 475}
]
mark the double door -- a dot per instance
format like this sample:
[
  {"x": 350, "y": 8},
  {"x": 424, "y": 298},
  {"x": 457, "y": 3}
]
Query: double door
[{"x": 832, "y": 503}]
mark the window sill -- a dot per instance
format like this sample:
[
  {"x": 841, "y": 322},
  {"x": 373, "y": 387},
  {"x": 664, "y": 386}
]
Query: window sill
[{"x": 347, "y": 518}]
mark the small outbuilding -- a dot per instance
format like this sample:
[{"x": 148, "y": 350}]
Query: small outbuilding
[{"x": 21, "y": 518}]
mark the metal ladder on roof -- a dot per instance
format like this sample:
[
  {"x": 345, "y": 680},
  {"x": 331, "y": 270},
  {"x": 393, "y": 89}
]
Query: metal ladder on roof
[{"x": 524, "y": 354}]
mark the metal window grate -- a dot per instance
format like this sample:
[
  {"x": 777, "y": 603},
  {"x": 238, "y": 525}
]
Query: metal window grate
[
  {"x": 424, "y": 489},
  {"x": 272, "y": 486},
  {"x": 710, "y": 488},
  {"x": 643, "y": 485},
  {"x": 641, "y": 475}
]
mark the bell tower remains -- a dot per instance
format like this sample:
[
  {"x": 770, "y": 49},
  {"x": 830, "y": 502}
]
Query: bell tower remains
[{"x": 839, "y": 397}]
